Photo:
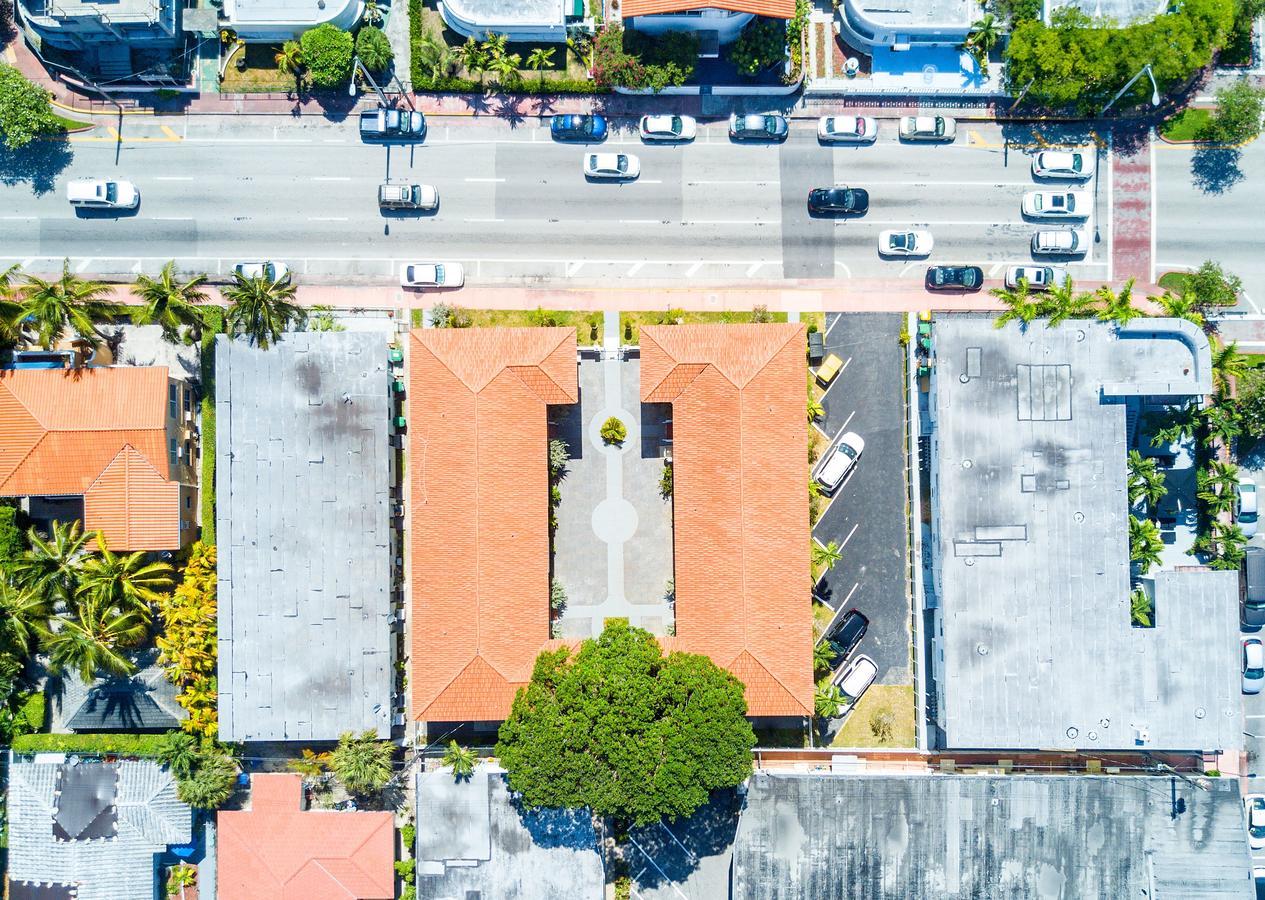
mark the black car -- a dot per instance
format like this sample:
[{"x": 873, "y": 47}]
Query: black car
[
  {"x": 955, "y": 278},
  {"x": 838, "y": 199},
  {"x": 578, "y": 128},
  {"x": 847, "y": 633}
]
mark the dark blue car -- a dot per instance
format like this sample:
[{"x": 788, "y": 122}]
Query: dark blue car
[{"x": 578, "y": 128}]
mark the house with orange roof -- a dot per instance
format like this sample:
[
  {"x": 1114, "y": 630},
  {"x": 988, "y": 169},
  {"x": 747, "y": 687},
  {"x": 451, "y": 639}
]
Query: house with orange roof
[
  {"x": 112, "y": 446},
  {"x": 277, "y": 850},
  {"x": 480, "y": 537}
]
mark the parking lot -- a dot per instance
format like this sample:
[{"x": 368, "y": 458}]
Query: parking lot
[
  {"x": 688, "y": 859},
  {"x": 866, "y": 517}
]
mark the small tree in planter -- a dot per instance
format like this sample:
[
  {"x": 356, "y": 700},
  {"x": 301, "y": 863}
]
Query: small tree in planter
[
  {"x": 614, "y": 431},
  {"x": 327, "y": 51},
  {"x": 374, "y": 49}
]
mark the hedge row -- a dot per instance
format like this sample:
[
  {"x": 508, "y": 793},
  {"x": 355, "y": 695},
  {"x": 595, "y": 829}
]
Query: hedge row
[
  {"x": 145, "y": 745},
  {"x": 529, "y": 86}
]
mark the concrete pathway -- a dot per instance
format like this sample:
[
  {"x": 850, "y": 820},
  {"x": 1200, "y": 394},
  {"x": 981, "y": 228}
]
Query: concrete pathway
[{"x": 397, "y": 31}]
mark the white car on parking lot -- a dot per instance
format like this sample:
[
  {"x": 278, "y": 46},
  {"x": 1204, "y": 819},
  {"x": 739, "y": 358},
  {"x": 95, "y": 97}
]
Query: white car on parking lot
[
  {"x": 1057, "y": 204},
  {"x": 1039, "y": 278},
  {"x": 668, "y": 128},
  {"x": 928, "y": 128},
  {"x": 838, "y": 461},
  {"x": 895, "y": 242},
  {"x": 1076, "y": 164},
  {"x": 1254, "y": 806},
  {"x": 855, "y": 677},
  {"x": 847, "y": 129},
  {"x": 1061, "y": 242},
  {"x": 1245, "y": 508},
  {"x": 611, "y": 166},
  {"x": 1253, "y": 665},
  {"x": 266, "y": 269},
  {"x": 429, "y": 274}
]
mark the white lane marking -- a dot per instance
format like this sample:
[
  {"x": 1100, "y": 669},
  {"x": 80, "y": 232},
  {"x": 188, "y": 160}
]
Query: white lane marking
[
  {"x": 172, "y": 218},
  {"x": 730, "y": 222},
  {"x": 1250, "y": 301},
  {"x": 334, "y": 140},
  {"x": 753, "y": 268},
  {"x": 16, "y": 218},
  {"x": 662, "y": 874},
  {"x": 173, "y": 177},
  {"x": 327, "y": 218},
  {"x": 847, "y": 422},
  {"x": 1150, "y": 140},
  {"x": 849, "y": 537},
  {"x": 905, "y": 223},
  {"x": 838, "y": 319},
  {"x": 688, "y": 851},
  {"x": 925, "y": 183},
  {"x": 484, "y": 180},
  {"x": 640, "y": 222},
  {"x": 995, "y": 268},
  {"x": 849, "y": 597},
  {"x": 574, "y": 267},
  {"x": 846, "y": 270},
  {"x": 84, "y": 264},
  {"x": 254, "y": 141},
  {"x": 484, "y": 220},
  {"x": 690, "y": 272},
  {"x": 647, "y": 181},
  {"x": 331, "y": 178},
  {"x": 732, "y": 182},
  {"x": 636, "y": 267}
]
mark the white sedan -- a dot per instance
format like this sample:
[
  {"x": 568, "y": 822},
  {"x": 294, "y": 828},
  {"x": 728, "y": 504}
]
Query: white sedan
[
  {"x": 612, "y": 166},
  {"x": 668, "y": 128},
  {"x": 1077, "y": 164},
  {"x": 1039, "y": 278},
  {"x": 265, "y": 269},
  {"x": 928, "y": 128},
  {"x": 436, "y": 275},
  {"x": 905, "y": 243},
  {"x": 847, "y": 129},
  {"x": 839, "y": 461},
  {"x": 1253, "y": 665},
  {"x": 1254, "y": 806},
  {"x": 1057, "y": 204}
]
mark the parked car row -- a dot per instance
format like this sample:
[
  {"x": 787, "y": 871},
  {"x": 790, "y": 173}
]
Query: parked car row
[{"x": 841, "y": 129}]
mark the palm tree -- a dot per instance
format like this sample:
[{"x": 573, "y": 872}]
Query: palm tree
[
  {"x": 1021, "y": 307},
  {"x": 505, "y": 65},
  {"x": 1222, "y": 421},
  {"x": 432, "y": 56},
  {"x": 289, "y": 60},
  {"x": 51, "y": 307},
  {"x": 123, "y": 582},
  {"x": 540, "y": 59},
  {"x": 52, "y": 565},
  {"x": 1228, "y": 364},
  {"x": 179, "y": 753},
  {"x": 825, "y": 557},
  {"x": 1231, "y": 544},
  {"x": 1140, "y": 608},
  {"x": 824, "y": 655},
  {"x": 311, "y": 764},
  {"x": 93, "y": 642},
  {"x": 26, "y": 614},
  {"x": 362, "y": 763},
  {"x": 815, "y": 409},
  {"x": 495, "y": 45},
  {"x": 261, "y": 309},
  {"x": 10, "y": 310},
  {"x": 170, "y": 303},
  {"x": 1145, "y": 480},
  {"x": 1063, "y": 302},
  {"x": 1118, "y": 306},
  {"x": 1145, "y": 544},
  {"x": 1177, "y": 423},
  {"x": 828, "y": 701},
  {"x": 984, "y": 33},
  {"x": 1215, "y": 486},
  {"x": 210, "y": 784},
  {"x": 1184, "y": 305},
  {"x": 474, "y": 59},
  {"x": 461, "y": 759}
]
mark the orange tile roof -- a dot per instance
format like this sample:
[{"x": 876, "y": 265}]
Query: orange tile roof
[
  {"x": 739, "y": 501},
  {"x": 480, "y": 511},
  {"x": 276, "y": 851},
  {"x": 96, "y": 432},
  {"x": 774, "y": 9}
]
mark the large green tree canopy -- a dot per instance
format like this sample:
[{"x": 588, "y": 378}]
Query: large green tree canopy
[
  {"x": 26, "y": 110},
  {"x": 626, "y": 731}
]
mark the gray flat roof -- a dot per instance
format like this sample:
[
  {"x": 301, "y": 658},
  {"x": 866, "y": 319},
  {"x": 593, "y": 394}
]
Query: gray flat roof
[
  {"x": 474, "y": 839},
  {"x": 1121, "y": 12},
  {"x": 491, "y": 13},
  {"x": 805, "y": 837},
  {"x": 302, "y": 475},
  {"x": 1034, "y": 647}
]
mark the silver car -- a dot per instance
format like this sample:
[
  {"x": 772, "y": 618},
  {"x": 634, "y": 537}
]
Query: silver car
[
  {"x": 1039, "y": 278},
  {"x": 266, "y": 269},
  {"x": 839, "y": 461},
  {"x": 847, "y": 129},
  {"x": 666, "y": 129},
  {"x": 1057, "y": 204},
  {"x": 1253, "y": 665},
  {"x": 1076, "y": 164},
  {"x": 1061, "y": 242},
  {"x": 611, "y": 166},
  {"x": 928, "y": 128}
]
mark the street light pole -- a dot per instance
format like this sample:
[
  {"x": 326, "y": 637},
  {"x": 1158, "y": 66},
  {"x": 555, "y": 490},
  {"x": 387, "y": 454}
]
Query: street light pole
[
  {"x": 358, "y": 66},
  {"x": 1155, "y": 89}
]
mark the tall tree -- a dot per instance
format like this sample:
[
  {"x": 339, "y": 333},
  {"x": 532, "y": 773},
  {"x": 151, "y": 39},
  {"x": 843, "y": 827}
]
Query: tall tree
[
  {"x": 1215, "y": 486},
  {"x": 171, "y": 303},
  {"x": 540, "y": 59},
  {"x": 26, "y": 614},
  {"x": 362, "y": 762},
  {"x": 26, "y": 109},
  {"x": 52, "y": 565},
  {"x": 460, "y": 759},
  {"x": 1181, "y": 305},
  {"x": 51, "y": 307},
  {"x": 1064, "y": 302},
  {"x": 10, "y": 310},
  {"x": 1145, "y": 480},
  {"x": 261, "y": 309},
  {"x": 826, "y": 556},
  {"x": 1145, "y": 544},
  {"x": 289, "y": 60},
  {"x": 126, "y": 582},
  {"x": 94, "y": 641},
  {"x": 474, "y": 59},
  {"x": 1228, "y": 364},
  {"x": 828, "y": 701},
  {"x": 1021, "y": 306},
  {"x": 824, "y": 655},
  {"x": 1117, "y": 306}
]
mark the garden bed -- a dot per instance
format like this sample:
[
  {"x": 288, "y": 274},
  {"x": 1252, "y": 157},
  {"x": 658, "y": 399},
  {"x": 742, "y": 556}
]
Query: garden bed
[
  {"x": 587, "y": 325},
  {"x": 857, "y": 732},
  {"x": 260, "y": 75},
  {"x": 1187, "y": 125},
  {"x": 630, "y": 322}
]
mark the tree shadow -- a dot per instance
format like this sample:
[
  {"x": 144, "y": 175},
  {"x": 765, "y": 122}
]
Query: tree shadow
[
  {"x": 677, "y": 848},
  {"x": 38, "y": 163},
  {"x": 1214, "y": 170},
  {"x": 556, "y": 827}
]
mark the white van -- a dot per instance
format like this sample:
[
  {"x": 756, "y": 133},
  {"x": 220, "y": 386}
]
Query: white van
[
  {"x": 97, "y": 193},
  {"x": 856, "y": 677}
]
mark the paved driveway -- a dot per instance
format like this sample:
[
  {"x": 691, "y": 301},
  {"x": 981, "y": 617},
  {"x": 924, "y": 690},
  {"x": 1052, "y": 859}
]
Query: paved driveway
[{"x": 867, "y": 516}]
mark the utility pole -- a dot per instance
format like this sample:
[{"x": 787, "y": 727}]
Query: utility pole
[
  {"x": 1155, "y": 89},
  {"x": 358, "y": 67}
]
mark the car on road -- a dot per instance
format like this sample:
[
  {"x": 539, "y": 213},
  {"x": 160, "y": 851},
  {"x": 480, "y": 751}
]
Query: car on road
[
  {"x": 611, "y": 166},
  {"x": 847, "y": 129},
  {"x": 838, "y": 461},
  {"x": 387, "y": 124},
  {"x": 954, "y": 278},
  {"x": 408, "y": 196},
  {"x": 1253, "y": 665},
  {"x": 1056, "y": 204},
  {"x": 1075, "y": 164},
  {"x": 429, "y": 274},
  {"x": 1252, "y": 611},
  {"x": 928, "y": 128},
  {"x": 854, "y": 678},
  {"x": 578, "y": 128},
  {"x": 897, "y": 242},
  {"x": 758, "y": 127},
  {"x": 847, "y": 633},
  {"x": 1254, "y": 806},
  {"x": 839, "y": 199},
  {"x": 1039, "y": 278},
  {"x": 1061, "y": 242},
  {"x": 272, "y": 272},
  {"x": 667, "y": 128},
  {"x": 99, "y": 193},
  {"x": 1245, "y": 508}
]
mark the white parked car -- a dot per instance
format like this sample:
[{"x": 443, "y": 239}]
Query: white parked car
[
  {"x": 1254, "y": 806},
  {"x": 855, "y": 677},
  {"x": 437, "y": 275},
  {"x": 98, "y": 193},
  {"x": 1039, "y": 278},
  {"x": 668, "y": 128},
  {"x": 905, "y": 243},
  {"x": 1253, "y": 665},
  {"x": 611, "y": 166},
  {"x": 1057, "y": 204},
  {"x": 1076, "y": 164},
  {"x": 266, "y": 269},
  {"x": 1245, "y": 508},
  {"x": 928, "y": 128},
  {"x": 838, "y": 461},
  {"x": 847, "y": 129},
  {"x": 1061, "y": 242}
]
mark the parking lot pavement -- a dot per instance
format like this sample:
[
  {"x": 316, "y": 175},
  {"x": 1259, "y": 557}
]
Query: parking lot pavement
[
  {"x": 866, "y": 517},
  {"x": 688, "y": 859}
]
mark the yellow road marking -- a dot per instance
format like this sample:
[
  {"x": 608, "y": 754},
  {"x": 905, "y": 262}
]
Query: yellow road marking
[{"x": 167, "y": 130}]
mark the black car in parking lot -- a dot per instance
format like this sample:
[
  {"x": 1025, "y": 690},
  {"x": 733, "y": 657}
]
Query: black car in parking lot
[
  {"x": 954, "y": 278},
  {"x": 847, "y": 633},
  {"x": 839, "y": 199}
]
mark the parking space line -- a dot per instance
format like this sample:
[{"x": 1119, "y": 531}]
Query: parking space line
[
  {"x": 834, "y": 380},
  {"x": 688, "y": 851},
  {"x": 662, "y": 873},
  {"x": 829, "y": 438},
  {"x": 849, "y": 537},
  {"x": 850, "y": 593},
  {"x": 838, "y": 319}
]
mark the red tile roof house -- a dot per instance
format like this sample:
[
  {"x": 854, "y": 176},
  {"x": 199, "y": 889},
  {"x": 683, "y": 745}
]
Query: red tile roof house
[
  {"x": 480, "y": 507},
  {"x": 275, "y": 850},
  {"x": 113, "y": 441}
]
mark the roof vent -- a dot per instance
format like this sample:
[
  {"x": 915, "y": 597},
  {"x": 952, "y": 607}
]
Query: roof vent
[
  {"x": 1200, "y": 712},
  {"x": 1078, "y": 517},
  {"x": 1104, "y": 722},
  {"x": 1073, "y": 733},
  {"x": 981, "y": 649},
  {"x": 1080, "y": 335},
  {"x": 967, "y": 463}
]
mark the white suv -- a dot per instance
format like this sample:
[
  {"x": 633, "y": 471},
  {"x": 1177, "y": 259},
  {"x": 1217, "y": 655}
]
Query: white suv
[
  {"x": 97, "y": 193},
  {"x": 1061, "y": 242}
]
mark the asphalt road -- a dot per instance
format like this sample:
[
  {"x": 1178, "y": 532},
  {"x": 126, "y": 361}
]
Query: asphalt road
[{"x": 515, "y": 206}]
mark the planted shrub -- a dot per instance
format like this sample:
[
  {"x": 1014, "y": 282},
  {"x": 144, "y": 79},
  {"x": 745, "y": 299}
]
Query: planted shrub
[
  {"x": 327, "y": 52},
  {"x": 374, "y": 49},
  {"x": 614, "y": 431}
]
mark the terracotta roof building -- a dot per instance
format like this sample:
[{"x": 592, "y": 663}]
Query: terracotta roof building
[
  {"x": 739, "y": 501},
  {"x": 112, "y": 446},
  {"x": 277, "y": 851},
  {"x": 480, "y": 507}
]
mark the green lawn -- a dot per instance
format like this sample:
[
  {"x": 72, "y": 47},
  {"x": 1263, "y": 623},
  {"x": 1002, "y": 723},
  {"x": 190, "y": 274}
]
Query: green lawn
[
  {"x": 71, "y": 124},
  {"x": 630, "y": 322},
  {"x": 814, "y": 318},
  {"x": 1174, "y": 281},
  {"x": 822, "y": 614},
  {"x": 1187, "y": 125},
  {"x": 260, "y": 74},
  {"x": 587, "y": 325},
  {"x": 899, "y": 698}
]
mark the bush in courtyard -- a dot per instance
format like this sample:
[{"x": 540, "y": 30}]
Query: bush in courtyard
[
  {"x": 362, "y": 762},
  {"x": 327, "y": 52},
  {"x": 614, "y": 431},
  {"x": 762, "y": 44},
  {"x": 374, "y": 49},
  {"x": 12, "y": 538}
]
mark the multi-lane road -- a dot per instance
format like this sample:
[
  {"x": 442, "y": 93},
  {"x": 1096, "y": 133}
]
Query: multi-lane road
[{"x": 515, "y": 206}]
